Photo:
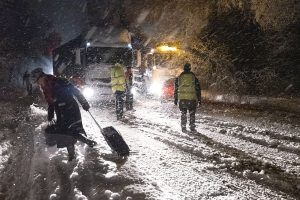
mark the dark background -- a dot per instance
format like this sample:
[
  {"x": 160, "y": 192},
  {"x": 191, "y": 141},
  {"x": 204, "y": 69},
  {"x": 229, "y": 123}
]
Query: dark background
[{"x": 235, "y": 46}]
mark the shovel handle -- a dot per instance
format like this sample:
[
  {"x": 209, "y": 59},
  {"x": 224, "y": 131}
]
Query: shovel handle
[{"x": 95, "y": 121}]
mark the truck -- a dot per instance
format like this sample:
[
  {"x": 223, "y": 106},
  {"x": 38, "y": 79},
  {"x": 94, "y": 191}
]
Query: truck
[
  {"x": 162, "y": 68},
  {"x": 86, "y": 60}
]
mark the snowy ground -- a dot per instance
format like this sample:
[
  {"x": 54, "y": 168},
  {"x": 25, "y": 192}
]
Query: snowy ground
[{"x": 236, "y": 154}]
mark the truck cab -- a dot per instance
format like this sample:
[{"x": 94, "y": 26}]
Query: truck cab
[{"x": 87, "y": 60}]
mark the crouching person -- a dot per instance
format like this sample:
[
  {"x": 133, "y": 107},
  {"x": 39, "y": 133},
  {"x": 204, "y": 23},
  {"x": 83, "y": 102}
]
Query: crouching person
[{"x": 60, "y": 96}]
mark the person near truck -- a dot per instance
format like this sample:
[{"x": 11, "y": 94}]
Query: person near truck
[
  {"x": 118, "y": 84},
  {"x": 61, "y": 97},
  {"x": 129, "y": 95},
  {"x": 27, "y": 82},
  {"x": 188, "y": 93}
]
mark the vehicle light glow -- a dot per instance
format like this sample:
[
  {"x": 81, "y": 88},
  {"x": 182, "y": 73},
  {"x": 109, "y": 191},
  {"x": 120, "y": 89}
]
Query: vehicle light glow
[
  {"x": 156, "y": 88},
  {"x": 134, "y": 91},
  {"x": 88, "y": 92},
  {"x": 165, "y": 48}
]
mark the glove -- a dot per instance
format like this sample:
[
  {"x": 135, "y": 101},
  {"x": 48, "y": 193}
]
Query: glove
[{"x": 86, "y": 106}]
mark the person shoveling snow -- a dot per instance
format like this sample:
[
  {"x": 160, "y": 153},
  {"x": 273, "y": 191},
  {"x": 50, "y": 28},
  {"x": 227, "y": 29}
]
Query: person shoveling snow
[{"x": 60, "y": 96}]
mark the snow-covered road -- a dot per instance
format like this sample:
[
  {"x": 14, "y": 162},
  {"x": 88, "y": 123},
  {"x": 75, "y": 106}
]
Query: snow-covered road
[{"x": 236, "y": 154}]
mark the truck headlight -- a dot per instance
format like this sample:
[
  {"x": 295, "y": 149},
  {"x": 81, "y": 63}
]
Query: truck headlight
[
  {"x": 88, "y": 92},
  {"x": 156, "y": 88},
  {"x": 134, "y": 91}
]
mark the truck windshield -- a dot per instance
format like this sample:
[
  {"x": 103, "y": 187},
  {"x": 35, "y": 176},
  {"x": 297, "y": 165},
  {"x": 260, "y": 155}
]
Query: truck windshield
[{"x": 109, "y": 55}]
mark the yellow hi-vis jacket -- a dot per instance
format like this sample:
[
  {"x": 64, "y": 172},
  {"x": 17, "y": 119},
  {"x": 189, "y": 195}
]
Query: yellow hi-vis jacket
[
  {"x": 118, "y": 82},
  {"x": 187, "y": 87}
]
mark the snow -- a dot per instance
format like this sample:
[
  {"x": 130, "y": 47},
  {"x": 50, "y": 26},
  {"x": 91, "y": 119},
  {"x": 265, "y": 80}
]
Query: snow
[
  {"x": 79, "y": 195},
  {"x": 230, "y": 157},
  {"x": 143, "y": 15},
  {"x": 4, "y": 153},
  {"x": 36, "y": 111}
]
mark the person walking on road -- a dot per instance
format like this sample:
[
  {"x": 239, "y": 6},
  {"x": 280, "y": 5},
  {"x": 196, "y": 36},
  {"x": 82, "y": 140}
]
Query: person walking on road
[
  {"x": 188, "y": 92},
  {"x": 27, "y": 83},
  {"x": 118, "y": 83},
  {"x": 129, "y": 95},
  {"x": 60, "y": 95}
]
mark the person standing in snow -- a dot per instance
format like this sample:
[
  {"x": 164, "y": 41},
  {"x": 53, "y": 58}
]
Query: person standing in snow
[
  {"x": 118, "y": 83},
  {"x": 129, "y": 95},
  {"x": 188, "y": 92},
  {"x": 27, "y": 83},
  {"x": 60, "y": 95}
]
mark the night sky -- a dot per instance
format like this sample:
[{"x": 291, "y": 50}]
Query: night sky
[{"x": 67, "y": 16}]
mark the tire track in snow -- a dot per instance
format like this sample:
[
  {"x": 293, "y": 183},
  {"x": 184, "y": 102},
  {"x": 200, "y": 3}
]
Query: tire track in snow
[
  {"x": 275, "y": 177},
  {"x": 105, "y": 171},
  {"x": 198, "y": 153},
  {"x": 239, "y": 170},
  {"x": 239, "y": 131},
  {"x": 294, "y": 167},
  {"x": 145, "y": 159}
]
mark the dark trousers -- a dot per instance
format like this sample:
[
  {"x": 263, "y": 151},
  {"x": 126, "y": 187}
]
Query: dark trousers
[
  {"x": 129, "y": 101},
  {"x": 185, "y": 106},
  {"x": 119, "y": 103},
  {"x": 29, "y": 88},
  {"x": 71, "y": 152},
  {"x": 69, "y": 120}
]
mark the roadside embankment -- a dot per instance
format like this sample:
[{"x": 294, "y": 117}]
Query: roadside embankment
[{"x": 259, "y": 102}]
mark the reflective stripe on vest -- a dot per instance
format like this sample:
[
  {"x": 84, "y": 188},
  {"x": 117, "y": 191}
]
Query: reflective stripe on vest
[{"x": 187, "y": 87}]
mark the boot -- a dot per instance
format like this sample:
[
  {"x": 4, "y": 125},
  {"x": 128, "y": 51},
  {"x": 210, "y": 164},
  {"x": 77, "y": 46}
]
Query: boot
[
  {"x": 119, "y": 117},
  {"x": 71, "y": 157},
  {"x": 91, "y": 143},
  {"x": 71, "y": 153},
  {"x": 183, "y": 129},
  {"x": 193, "y": 130}
]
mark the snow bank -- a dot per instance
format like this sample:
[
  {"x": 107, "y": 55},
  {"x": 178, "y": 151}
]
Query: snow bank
[
  {"x": 290, "y": 105},
  {"x": 37, "y": 111}
]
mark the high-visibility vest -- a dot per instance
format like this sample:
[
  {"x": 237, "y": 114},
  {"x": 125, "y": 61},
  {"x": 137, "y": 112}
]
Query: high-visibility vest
[
  {"x": 117, "y": 78},
  {"x": 187, "y": 87}
]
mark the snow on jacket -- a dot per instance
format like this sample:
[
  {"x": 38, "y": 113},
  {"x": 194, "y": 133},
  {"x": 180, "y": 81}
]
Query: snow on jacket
[
  {"x": 118, "y": 81},
  {"x": 187, "y": 87}
]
